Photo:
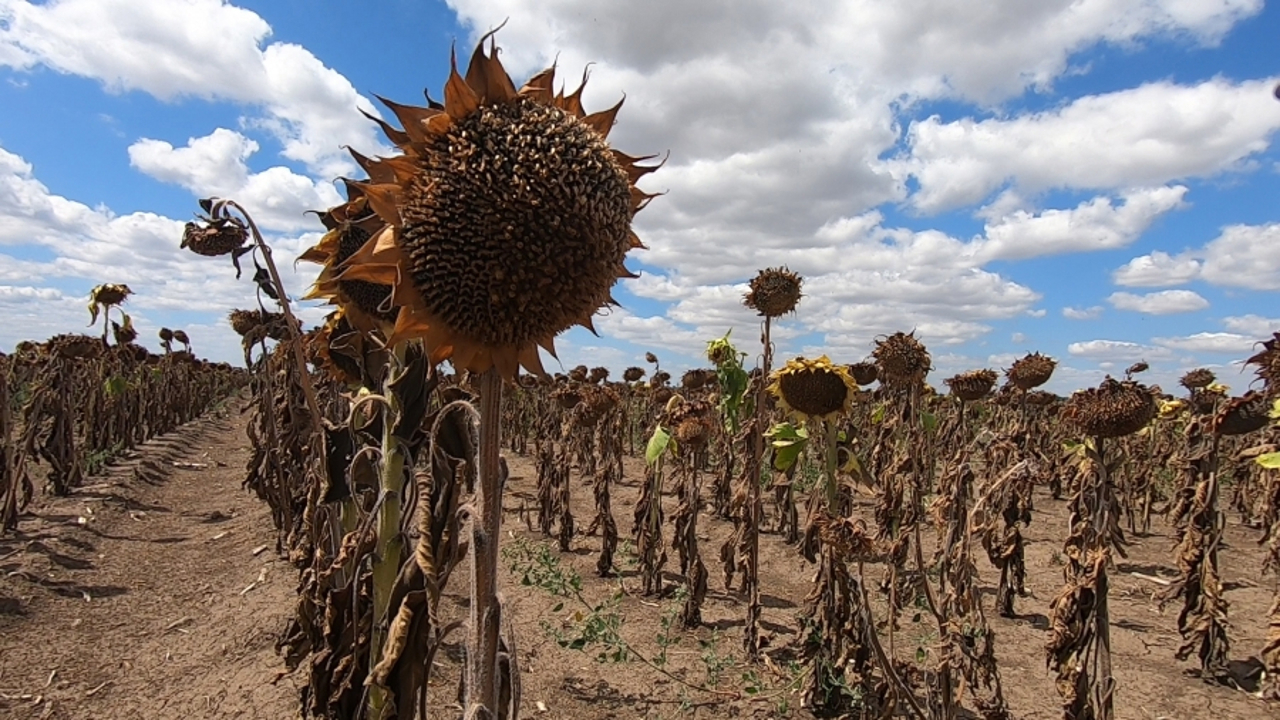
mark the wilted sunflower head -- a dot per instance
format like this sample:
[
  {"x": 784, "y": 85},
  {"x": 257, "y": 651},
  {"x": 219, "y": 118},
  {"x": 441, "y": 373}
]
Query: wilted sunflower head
[
  {"x": 213, "y": 236},
  {"x": 1267, "y": 364},
  {"x": 598, "y": 375},
  {"x": 1031, "y": 371},
  {"x": 813, "y": 388},
  {"x": 972, "y": 385},
  {"x": 633, "y": 374},
  {"x": 651, "y": 358},
  {"x": 901, "y": 360},
  {"x": 1198, "y": 378},
  {"x": 774, "y": 292},
  {"x": 1243, "y": 415},
  {"x": 1113, "y": 409},
  {"x": 505, "y": 220},
  {"x": 366, "y": 305},
  {"x": 124, "y": 334},
  {"x": 166, "y": 335},
  {"x": 864, "y": 373}
]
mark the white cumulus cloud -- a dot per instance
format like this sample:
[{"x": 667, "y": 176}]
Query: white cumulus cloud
[{"x": 1164, "y": 302}]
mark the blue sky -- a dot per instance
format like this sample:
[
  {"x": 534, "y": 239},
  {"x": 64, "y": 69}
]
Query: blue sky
[{"x": 1094, "y": 180}]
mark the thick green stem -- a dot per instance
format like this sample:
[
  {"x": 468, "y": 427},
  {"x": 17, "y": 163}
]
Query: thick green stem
[
  {"x": 386, "y": 561},
  {"x": 829, "y": 468},
  {"x": 486, "y": 528}
]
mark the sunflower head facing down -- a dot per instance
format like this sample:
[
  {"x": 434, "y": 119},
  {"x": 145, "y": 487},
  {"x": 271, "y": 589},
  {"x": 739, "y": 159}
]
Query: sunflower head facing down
[
  {"x": 814, "y": 388},
  {"x": 505, "y": 220}
]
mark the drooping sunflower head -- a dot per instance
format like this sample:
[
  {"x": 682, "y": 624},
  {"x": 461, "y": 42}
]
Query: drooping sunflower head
[
  {"x": 1243, "y": 415},
  {"x": 1113, "y": 409},
  {"x": 633, "y": 374},
  {"x": 902, "y": 360},
  {"x": 864, "y": 373},
  {"x": 598, "y": 375},
  {"x": 813, "y": 388},
  {"x": 1031, "y": 371},
  {"x": 505, "y": 220},
  {"x": 1267, "y": 364},
  {"x": 774, "y": 292},
  {"x": 972, "y": 385},
  {"x": 366, "y": 305}
]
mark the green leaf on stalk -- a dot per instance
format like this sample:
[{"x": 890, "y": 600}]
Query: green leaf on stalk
[
  {"x": 658, "y": 444},
  {"x": 1271, "y": 461}
]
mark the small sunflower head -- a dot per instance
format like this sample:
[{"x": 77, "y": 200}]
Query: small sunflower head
[
  {"x": 598, "y": 375},
  {"x": 813, "y": 388},
  {"x": 166, "y": 335},
  {"x": 651, "y": 358},
  {"x": 1031, "y": 371},
  {"x": 633, "y": 374},
  {"x": 864, "y": 373},
  {"x": 774, "y": 292},
  {"x": 214, "y": 236},
  {"x": 972, "y": 385},
  {"x": 1198, "y": 378}
]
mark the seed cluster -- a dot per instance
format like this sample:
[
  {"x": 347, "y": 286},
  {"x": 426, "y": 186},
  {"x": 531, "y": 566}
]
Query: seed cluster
[
  {"x": 774, "y": 292},
  {"x": 1113, "y": 409},
  {"x": 518, "y": 223},
  {"x": 1031, "y": 371}
]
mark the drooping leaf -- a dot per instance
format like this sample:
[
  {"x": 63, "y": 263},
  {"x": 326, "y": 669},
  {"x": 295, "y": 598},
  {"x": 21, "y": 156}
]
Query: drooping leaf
[
  {"x": 1271, "y": 461},
  {"x": 657, "y": 445}
]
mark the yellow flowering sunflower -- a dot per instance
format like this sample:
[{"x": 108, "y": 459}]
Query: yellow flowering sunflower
[{"x": 811, "y": 389}]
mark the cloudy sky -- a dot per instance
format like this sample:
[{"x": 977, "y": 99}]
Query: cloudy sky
[{"x": 1092, "y": 179}]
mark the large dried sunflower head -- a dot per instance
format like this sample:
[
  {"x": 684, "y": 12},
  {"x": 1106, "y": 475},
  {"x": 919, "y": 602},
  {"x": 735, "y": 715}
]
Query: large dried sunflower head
[
  {"x": 632, "y": 374},
  {"x": 774, "y": 292},
  {"x": 75, "y": 346},
  {"x": 691, "y": 420},
  {"x": 1113, "y": 409},
  {"x": 505, "y": 220},
  {"x": 598, "y": 375},
  {"x": 972, "y": 385},
  {"x": 813, "y": 388},
  {"x": 901, "y": 360},
  {"x": 1031, "y": 371},
  {"x": 166, "y": 335}
]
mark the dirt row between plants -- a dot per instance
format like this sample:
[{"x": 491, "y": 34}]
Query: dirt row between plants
[{"x": 153, "y": 591}]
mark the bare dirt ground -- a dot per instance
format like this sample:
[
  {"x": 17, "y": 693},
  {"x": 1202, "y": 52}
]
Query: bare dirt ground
[{"x": 141, "y": 596}]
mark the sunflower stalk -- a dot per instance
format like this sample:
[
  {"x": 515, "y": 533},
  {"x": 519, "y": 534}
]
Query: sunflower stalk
[
  {"x": 390, "y": 544},
  {"x": 482, "y": 678}
]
